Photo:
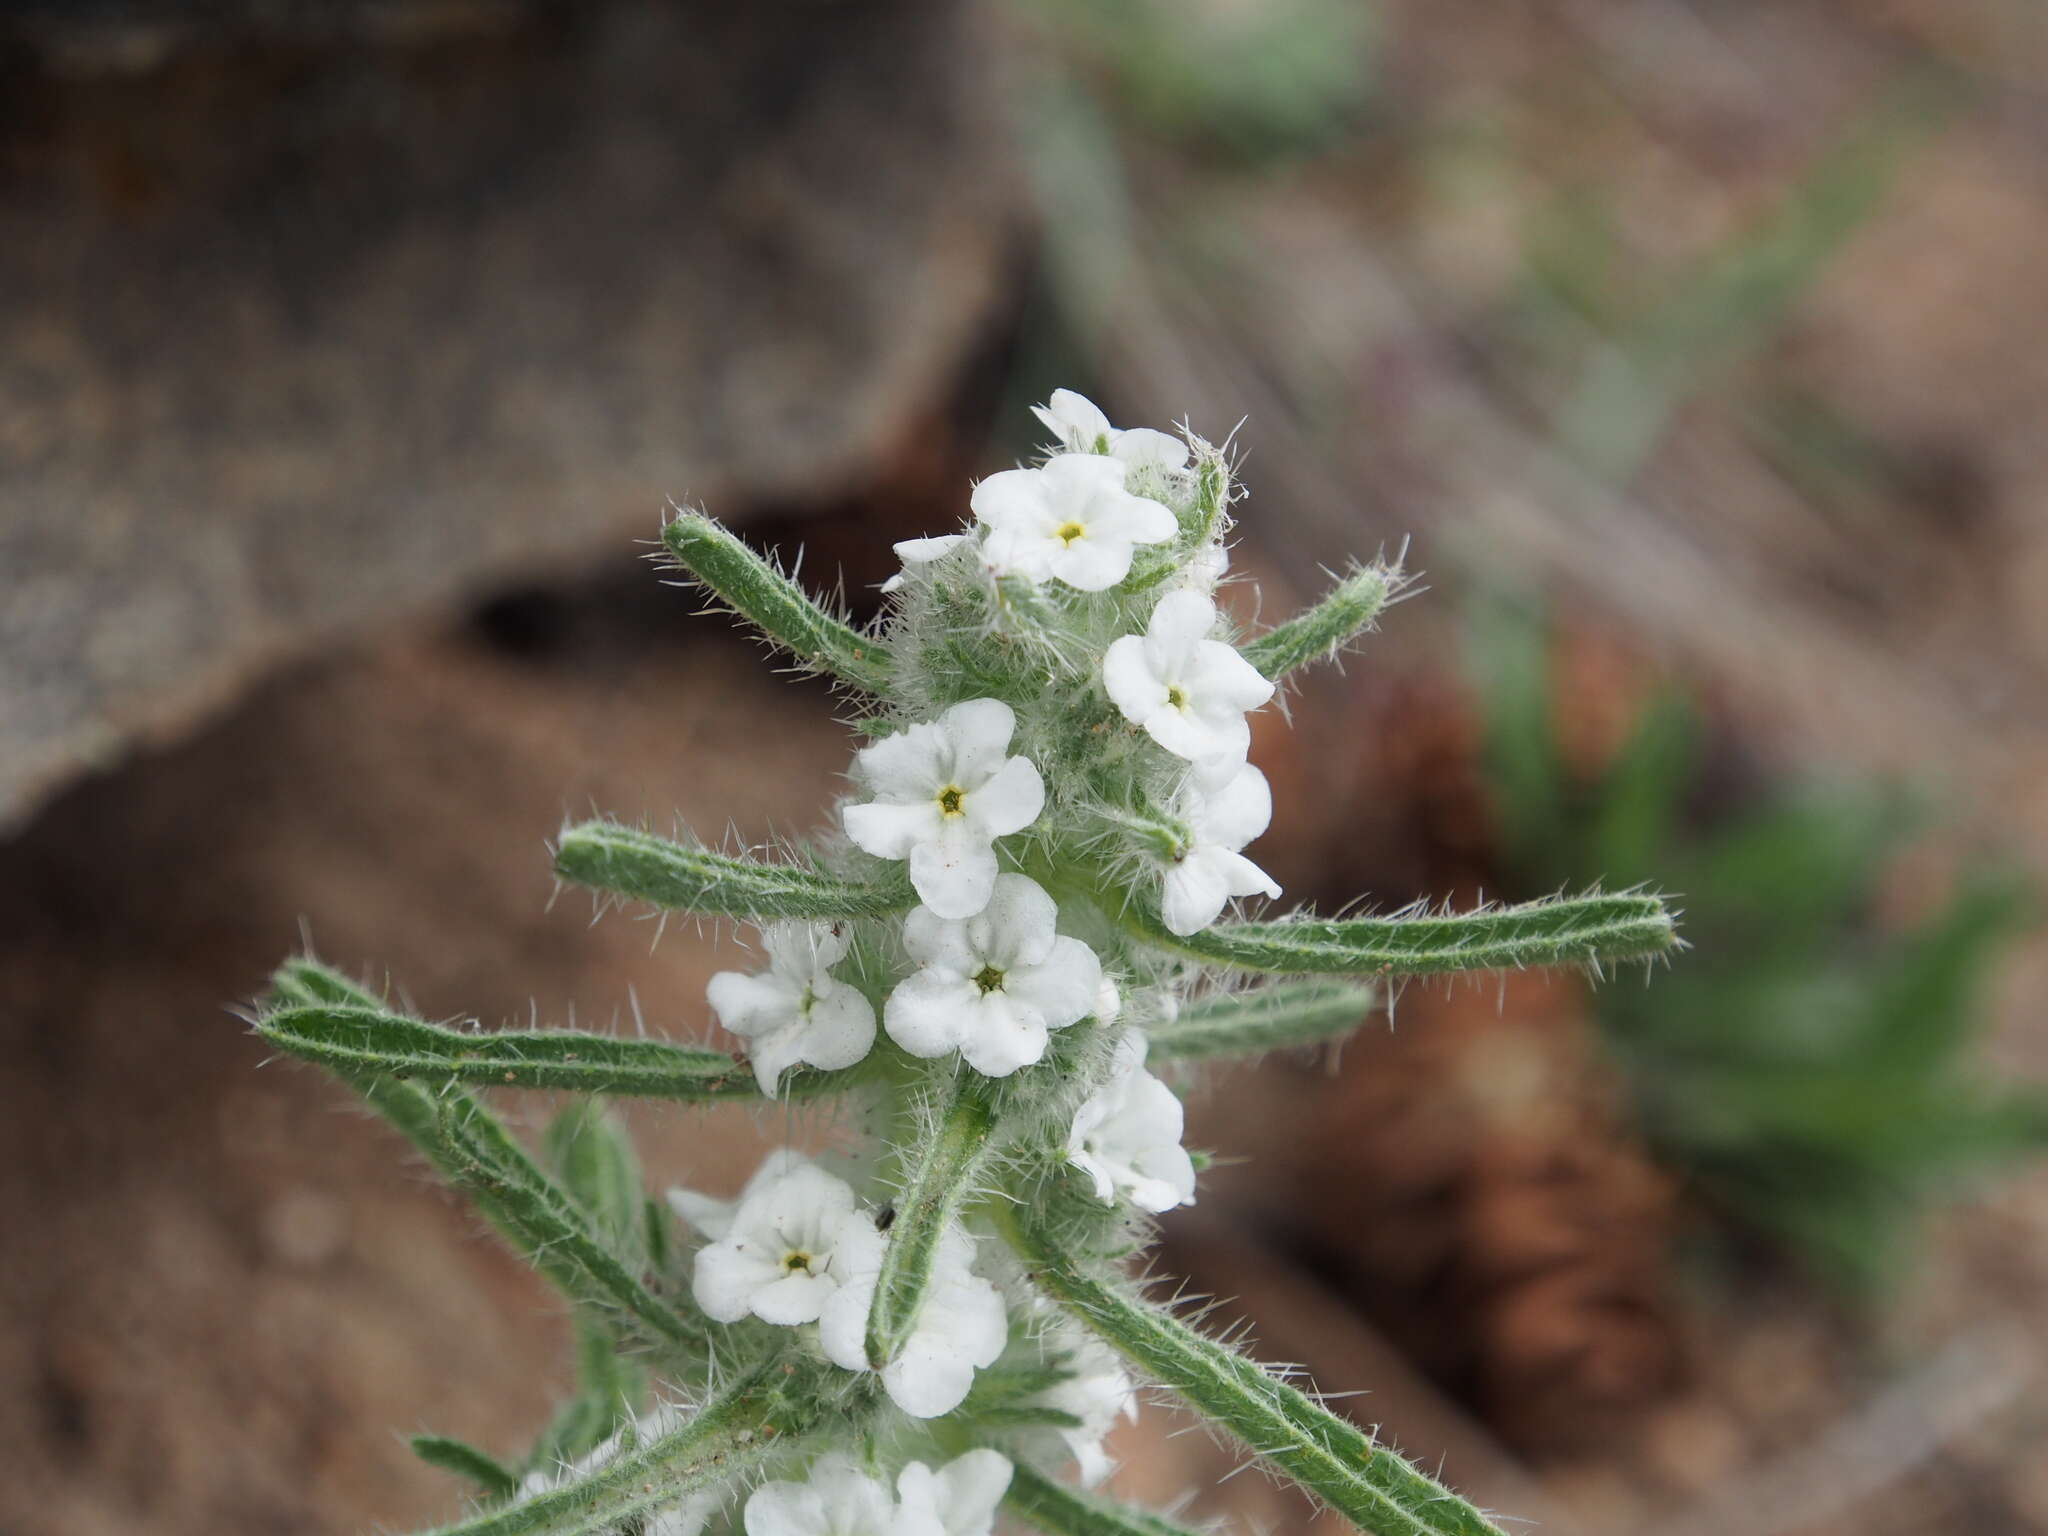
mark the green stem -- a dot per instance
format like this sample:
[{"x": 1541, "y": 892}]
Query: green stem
[
  {"x": 1266, "y": 1019},
  {"x": 1346, "y": 611},
  {"x": 358, "y": 1040},
  {"x": 1065, "y": 1511},
  {"x": 728, "y": 1437},
  {"x": 638, "y": 864},
  {"x": 478, "y": 1156},
  {"x": 939, "y": 1179},
  {"x": 758, "y": 592},
  {"x": 1579, "y": 930},
  {"x": 1331, "y": 1457}
]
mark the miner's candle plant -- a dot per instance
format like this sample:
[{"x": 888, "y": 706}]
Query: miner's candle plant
[{"x": 1020, "y": 912}]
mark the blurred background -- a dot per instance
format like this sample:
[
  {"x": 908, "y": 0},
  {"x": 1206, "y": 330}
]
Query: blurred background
[{"x": 1696, "y": 352}]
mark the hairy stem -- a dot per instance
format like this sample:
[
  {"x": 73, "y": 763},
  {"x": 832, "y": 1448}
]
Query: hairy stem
[
  {"x": 940, "y": 1177},
  {"x": 1346, "y": 611},
  {"x": 1266, "y": 1019},
  {"x": 1331, "y": 1457},
  {"x": 1068, "y": 1511},
  {"x": 1579, "y": 930},
  {"x": 628, "y": 862},
  {"x": 357, "y": 1040},
  {"x": 777, "y": 606}
]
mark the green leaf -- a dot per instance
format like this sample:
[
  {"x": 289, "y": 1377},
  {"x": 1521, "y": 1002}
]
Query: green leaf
[
  {"x": 591, "y": 1153},
  {"x": 1319, "y": 633},
  {"x": 1268, "y": 1018},
  {"x": 1331, "y": 1457},
  {"x": 768, "y": 1406},
  {"x": 777, "y": 606},
  {"x": 940, "y": 1177},
  {"x": 466, "y": 1461},
  {"x": 1579, "y": 930},
  {"x": 479, "y": 1157},
  {"x": 305, "y": 980},
  {"x": 638, "y": 864},
  {"x": 357, "y": 1040},
  {"x": 1068, "y": 1511}
]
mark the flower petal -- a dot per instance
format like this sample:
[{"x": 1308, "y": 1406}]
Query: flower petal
[
  {"x": 1063, "y": 987},
  {"x": 1180, "y": 621},
  {"x": 841, "y": 1029},
  {"x": 1220, "y": 678},
  {"x": 1009, "y": 800},
  {"x": 1129, "y": 679},
  {"x": 931, "y": 1011},
  {"x": 1016, "y": 927},
  {"x": 1004, "y": 1037},
  {"x": 727, "y": 1276},
  {"x": 978, "y": 735},
  {"x": 1011, "y": 498},
  {"x": 750, "y": 1004},
  {"x": 891, "y": 830},
  {"x": 1077, "y": 421},
  {"x": 1094, "y": 563},
  {"x": 1194, "y": 895},
  {"x": 1143, "y": 448},
  {"x": 1232, "y": 814},
  {"x": 908, "y": 766},
  {"x": 924, "y": 551},
  {"x": 954, "y": 872},
  {"x": 793, "y": 1299}
]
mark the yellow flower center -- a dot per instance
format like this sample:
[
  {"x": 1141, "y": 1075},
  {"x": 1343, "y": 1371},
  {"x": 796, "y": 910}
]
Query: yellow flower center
[
  {"x": 989, "y": 979},
  {"x": 796, "y": 1261},
  {"x": 951, "y": 799},
  {"x": 1176, "y": 695},
  {"x": 1067, "y": 532}
]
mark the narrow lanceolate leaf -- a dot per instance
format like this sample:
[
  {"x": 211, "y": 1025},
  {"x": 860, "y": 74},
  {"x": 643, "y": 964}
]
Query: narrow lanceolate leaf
[
  {"x": 1316, "y": 634},
  {"x": 466, "y": 1460},
  {"x": 1578, "y": 930},
  {"x": 1066, "y": 1511},
  {"x": 357, "y": 1040},
  {"x": 1267, "y": 1019},
  {"x": 626, "y": 862},
  {"x": 479, "y": 1157},
  {"x": 1331, "y": 1457},
  {"x": 305, "y": 980},
  {"x": 725, "y": 1440},
  {"x": 939, "y": 1178},
  {"x": 777, "y": 606}
]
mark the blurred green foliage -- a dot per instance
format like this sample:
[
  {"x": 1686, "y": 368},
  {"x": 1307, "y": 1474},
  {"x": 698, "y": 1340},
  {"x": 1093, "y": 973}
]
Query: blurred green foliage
[{"x": 1805, "y": 1069}]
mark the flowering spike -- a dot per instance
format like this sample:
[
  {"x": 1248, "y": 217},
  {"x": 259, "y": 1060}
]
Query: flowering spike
[
  {"x": 1268, "y": 1019},
  {"x": 1346, "y": 611},
  {"x": 940, "y": 1178},
  {"x": 1579, "y": 930},
  {"x": 369, "y": 1040},
  {"x": 774, "y": 604},
  {"x": 638, "y": 864},
  {"x": 1370, "y": 1485}
]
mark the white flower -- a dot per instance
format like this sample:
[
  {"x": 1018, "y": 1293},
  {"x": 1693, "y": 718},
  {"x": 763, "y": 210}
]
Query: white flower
[
  {"x": 1098, "y": 1393},
  {"x": 944, "y": 792},
  {"x": 836, "y": 1499},
  {"x": 1081, "y": 427},
  {"x": 711, "y": 1217},
  {"x": 1208, "y": 870},
  {"x": 959, "y": 1499},
  {"x": 1071, "y": 519},
  {"x": 786, "y": 1248},
  {"x": 685, "y": 1519},
  {"x": 961, "y": 1328},
  {"x": 920, "y": 552},
  {"x": 1189, "y": 692},
  {"x": 1127, "y": 1136},
  {"x": 992, "y": 985},
  {"x": 796, "y": 1010}
]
